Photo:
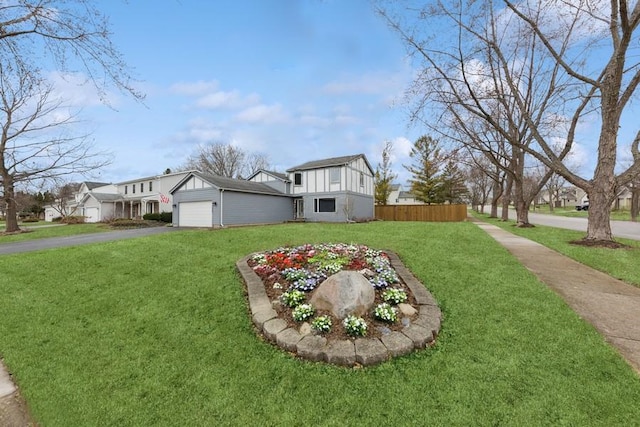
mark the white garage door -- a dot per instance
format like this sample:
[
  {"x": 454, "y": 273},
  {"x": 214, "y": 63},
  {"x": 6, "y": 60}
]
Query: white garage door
[
  {"x": 91, "y": 215},
  {"x": 195, "y": 214}
]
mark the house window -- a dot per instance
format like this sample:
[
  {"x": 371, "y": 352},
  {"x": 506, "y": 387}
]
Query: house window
[
  {"x": 335, "y": 175},
  {"x": 142, "y": 187},
  {"x": 133, "y": 189},
  {"x": 150, "y": 185},
  {"x": 126, "y": 189},
  {"x": 297, "y": 178},
  {"x": 361, "y": 179},
  {"x": 324, "y": 205}
]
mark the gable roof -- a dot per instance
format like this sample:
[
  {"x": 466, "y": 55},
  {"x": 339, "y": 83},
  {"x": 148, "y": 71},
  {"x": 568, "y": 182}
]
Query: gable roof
[
  {"x": 231, "y": 184},
  {"x": 93, "y": 184},
  {"x": 102, "y": 197},
  {"x": 276, "y": 175},
  {"x": 333, "y": 161}
]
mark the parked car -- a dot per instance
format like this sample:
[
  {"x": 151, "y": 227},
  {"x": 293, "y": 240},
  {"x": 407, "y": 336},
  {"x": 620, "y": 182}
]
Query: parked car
[{"x": 583, "y": 207}]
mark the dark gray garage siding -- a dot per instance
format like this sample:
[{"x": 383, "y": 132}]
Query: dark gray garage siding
[{"x": 247, "y": 208}]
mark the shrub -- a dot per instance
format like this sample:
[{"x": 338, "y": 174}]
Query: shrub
[
  {"x": 386, "y": 312},
  {"x": 72, "y": 219},
  {"x": 30, "y": 220},
  {"x": 303, "y": 312},
  {"x": 355, "y": 326},
  {"x": 394, "y": 296},
  {"x": 293, "y": 298},
  {"x": 166, "y": 217},
  {"x": 57, "y": 219},
  {"x": 151, "y": 217},
  {"x": 321, "y": 324},
  {"x": 128, "y": 223}
]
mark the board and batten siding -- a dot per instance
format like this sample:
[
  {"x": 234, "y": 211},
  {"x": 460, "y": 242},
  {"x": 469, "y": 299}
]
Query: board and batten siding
[
  {"x": 319, "y": 180},
  {"x": 271, "y": 181},
  {"x": 248, "y": 208}
]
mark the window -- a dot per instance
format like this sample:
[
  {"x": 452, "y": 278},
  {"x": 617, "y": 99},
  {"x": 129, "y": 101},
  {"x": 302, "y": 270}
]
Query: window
[
  {"x": 335, "y": 175},
  {"x": 133, "y": 189},
  {"x": 126, "y": 189},
  {"x": 150, "y": 185},
  {"x": 324, "y": 205},
  {"x": 361, "y": 179},
  {"x": 297, "y": 178},
  {"x": 142, "y": 187}
]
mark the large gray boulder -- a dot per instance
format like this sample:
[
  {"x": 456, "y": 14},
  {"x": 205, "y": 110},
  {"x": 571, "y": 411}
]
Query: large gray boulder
[{"x": 344, "y": 293}]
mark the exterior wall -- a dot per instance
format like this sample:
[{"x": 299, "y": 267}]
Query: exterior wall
[
  {"x": 321, "y": 180},
  {"x": 348, "y": 206},
  {"x": 183, "y": 195},
  {"x": 271, "y": 181},
  {"x": 247, "y": 208}
]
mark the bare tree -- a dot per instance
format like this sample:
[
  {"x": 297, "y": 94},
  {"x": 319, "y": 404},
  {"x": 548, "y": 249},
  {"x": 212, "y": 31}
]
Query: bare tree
[
  {"x": 34, "y": 144},
  {"x": 63, "y": 193},
  {"x": 73, "y": 34},
  {"x": 226, "y": 160},
  {"x": 384, "y": 176},
  {"x": 569, "y": 60}
]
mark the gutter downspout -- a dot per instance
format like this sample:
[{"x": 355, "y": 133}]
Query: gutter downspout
[{"x": 221, "y": 206}]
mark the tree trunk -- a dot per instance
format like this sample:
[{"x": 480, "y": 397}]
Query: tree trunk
[
  {"x": 599, "y": 226},
  {"x": 506, "y": 199},
  {"x": 10, "y": 204},
  {"x": 522, "y": 212},
  {"x": 635, "y": 202},
  {"x": 496, "y": 194}
]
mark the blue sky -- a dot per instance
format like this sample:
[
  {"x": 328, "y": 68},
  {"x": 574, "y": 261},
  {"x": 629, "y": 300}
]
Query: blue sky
[{"x": 298, "y": 80}]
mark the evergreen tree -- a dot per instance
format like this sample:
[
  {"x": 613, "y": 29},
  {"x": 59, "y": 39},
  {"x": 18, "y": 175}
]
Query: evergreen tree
[
  {"x": 454, "y": 189},
  {"x": 428, "y": 159},
  {"x": 384, "y": 177}
]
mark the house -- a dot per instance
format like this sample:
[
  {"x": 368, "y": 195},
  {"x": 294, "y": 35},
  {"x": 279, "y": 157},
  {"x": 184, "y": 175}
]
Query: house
[
  {"x": 338, "y": 189},
  {"x": 98, "y": 201},
  {"x": 399, "y": 197}
]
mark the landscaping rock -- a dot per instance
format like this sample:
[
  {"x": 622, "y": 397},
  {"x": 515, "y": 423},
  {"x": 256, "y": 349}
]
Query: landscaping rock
[
  {"x": 305, "y": 329},
  {"x": 273, "y": 327},
  {"x": 384, "y": 330},
  {"x": 344, "y": 293},
  {"x": 263, "y": 316},
  {"x": 397, "y": 344},
  {"x": 312, "y": 347},
  {"x": 341, "y": 352},
  {"x": 419, "y": 335},
  {"x": 370, "y": 351},
  {"x": 288, "y": 339},
  {"x": 407, "y": 309}
]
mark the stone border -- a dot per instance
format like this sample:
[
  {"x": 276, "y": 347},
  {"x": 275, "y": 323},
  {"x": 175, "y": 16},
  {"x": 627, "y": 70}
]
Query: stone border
[{"x": 361, "y": 351}]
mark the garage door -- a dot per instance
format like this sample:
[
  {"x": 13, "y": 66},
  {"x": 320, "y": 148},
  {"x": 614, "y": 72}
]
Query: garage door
[
  {"x": 91, "y": 215},
  {"x": 195, "y": 214}
]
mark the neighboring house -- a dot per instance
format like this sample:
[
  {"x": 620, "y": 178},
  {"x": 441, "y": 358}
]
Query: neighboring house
[
  {"x": 335, "y": 190},
  {"x": 98, "y": 201},
  {"x": 400, "y": 197}
]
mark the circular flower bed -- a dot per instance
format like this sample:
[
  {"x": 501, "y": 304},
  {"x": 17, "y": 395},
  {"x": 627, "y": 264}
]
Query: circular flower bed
[{"x": 291, "y": 274}]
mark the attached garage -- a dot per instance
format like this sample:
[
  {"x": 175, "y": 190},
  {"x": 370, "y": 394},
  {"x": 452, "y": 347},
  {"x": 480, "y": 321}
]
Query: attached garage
[
  {"x": 91, "y": 215},
  {"x": 202, "y": 200},
  {"x": 195, "y": 214}
]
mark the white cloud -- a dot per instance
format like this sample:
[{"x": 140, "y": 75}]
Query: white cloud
[
  {"x": 77, "y": 89},
  {"x": 266, "y": 114}
]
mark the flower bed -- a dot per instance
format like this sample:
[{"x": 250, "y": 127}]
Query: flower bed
[{"x": 291, "y": 274}]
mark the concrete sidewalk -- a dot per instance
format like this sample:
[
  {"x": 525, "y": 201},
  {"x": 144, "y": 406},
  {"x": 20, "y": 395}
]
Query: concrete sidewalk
[{"x": 610, "y": 305}]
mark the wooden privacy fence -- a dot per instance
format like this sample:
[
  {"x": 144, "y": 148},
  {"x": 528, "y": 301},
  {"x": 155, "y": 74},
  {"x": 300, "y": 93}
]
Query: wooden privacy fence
[{"x": 431, "y": 213}]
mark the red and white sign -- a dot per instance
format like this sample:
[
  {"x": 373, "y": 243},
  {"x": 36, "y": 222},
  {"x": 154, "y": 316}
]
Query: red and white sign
[{"x": 164, "y": 199}]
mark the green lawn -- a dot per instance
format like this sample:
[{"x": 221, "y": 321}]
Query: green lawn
[
  {"x": 155, "y": 331},
  {"x": 41, "y": 232},
  {"x": 616, "y": 215},
  {"x": 623, "y": 264}
]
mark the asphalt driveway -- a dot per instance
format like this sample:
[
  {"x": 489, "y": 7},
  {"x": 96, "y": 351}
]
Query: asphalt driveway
[{"x": 80, "y": 239}]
